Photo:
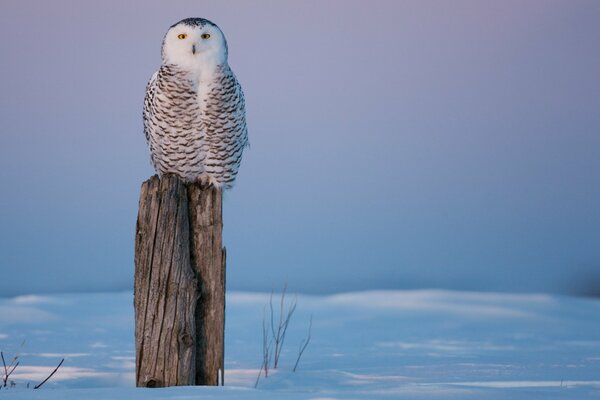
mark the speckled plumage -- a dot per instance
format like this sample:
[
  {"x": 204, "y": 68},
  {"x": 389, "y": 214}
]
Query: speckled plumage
[{"x": 194, "y": 110}]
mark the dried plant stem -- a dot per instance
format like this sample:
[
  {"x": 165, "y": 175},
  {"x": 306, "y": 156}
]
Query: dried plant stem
[
  {"x": 5, "y": 370},
  {"x": 50, "y": 376},
  {"x": 303, "y": 345},
  {"x": 267, "y": 344},
  {"x": 282, "y": 325},
  {"x": 8, "y": 370}
]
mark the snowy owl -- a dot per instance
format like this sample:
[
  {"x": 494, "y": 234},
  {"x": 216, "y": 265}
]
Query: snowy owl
[{"x": 194, "y": 112}]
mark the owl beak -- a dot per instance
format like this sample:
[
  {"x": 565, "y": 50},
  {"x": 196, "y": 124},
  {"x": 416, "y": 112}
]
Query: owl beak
[{"x": 193, "y": 49}]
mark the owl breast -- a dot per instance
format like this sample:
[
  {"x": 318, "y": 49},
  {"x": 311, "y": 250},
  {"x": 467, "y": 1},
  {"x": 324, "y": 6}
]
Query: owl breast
[{"x": 196, "y": 129}]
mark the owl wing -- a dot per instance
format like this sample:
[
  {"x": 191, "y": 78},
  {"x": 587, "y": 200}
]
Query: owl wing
[
  {"x": 172, "y": 124},
  {"x": 236, "y": 130},
  {"x": 149, "y": 127},
  {"x": 226, "y": 130}
]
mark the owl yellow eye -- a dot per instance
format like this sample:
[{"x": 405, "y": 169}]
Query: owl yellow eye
[
  {"x": 205, "y": 36},
  {"x": 181, "y": 36}
]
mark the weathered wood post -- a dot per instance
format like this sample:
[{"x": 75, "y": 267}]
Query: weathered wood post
[{"x": 179, "y": 293}]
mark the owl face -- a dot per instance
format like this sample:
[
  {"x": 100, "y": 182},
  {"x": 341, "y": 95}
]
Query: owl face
[{"x": 194, "y": 43}]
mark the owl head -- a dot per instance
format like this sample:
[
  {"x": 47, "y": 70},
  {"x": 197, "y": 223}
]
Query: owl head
[{"x": 194, "y": 43}]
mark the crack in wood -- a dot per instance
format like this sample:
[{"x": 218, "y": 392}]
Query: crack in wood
[{"x": 179, "y": 291}]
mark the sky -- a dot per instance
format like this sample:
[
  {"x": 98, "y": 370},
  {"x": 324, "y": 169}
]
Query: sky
[{"x": 394, "y": 144}]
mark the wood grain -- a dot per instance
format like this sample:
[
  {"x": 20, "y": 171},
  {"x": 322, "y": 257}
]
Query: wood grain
[
  {"x": 208, "y": 259},
  {"x": 179, "y": 290}
]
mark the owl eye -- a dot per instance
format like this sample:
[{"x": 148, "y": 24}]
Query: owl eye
[
  {"x": 205, "y": 36},
  {"x": 181, "y": 36}
]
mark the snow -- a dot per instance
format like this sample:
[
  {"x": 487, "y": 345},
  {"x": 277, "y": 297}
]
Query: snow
[{"x": 423, "y": 344}]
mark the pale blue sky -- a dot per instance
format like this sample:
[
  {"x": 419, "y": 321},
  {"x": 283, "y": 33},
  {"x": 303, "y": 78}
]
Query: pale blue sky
[{"x": 394, "y": 144}]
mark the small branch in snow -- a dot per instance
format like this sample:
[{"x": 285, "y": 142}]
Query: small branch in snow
[
  {"x": 280, "y": 332},
  {"x": 5, "y": 370},
  {"x": 49, "y": 376},
  {"x": 11, "y": 371},
  {"x": 267, "y": 344},
  {"x": 303, "y": 345},
  {"x": 8, "y": 370}
]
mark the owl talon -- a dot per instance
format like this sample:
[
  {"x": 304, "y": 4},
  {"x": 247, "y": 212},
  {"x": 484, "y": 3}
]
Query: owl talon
[{"x": 204, "y": 182}]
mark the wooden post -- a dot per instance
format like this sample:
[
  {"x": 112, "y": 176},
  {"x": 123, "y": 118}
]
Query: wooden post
[{"x": 179, "y": 293}]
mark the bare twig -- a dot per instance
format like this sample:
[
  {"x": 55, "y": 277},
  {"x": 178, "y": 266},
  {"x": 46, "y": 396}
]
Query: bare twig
[
  {"x": 272, "y": 323},
  {"x": 286, "y": 322},
  {"x": 267, "y": 344},
  {"x": 303, "y": 345},
  {"x": 12, "y": 370},
  {"x": 280, "y": 332},
  {"x": 266, "y": 349},
  {"x": 258, "y": 376},
  {"x": 5, "y": 370},
  {"x": 8, "y": 369},
  {"x": 50, "y": 376},
  {"x": 262, "y": 367}
]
